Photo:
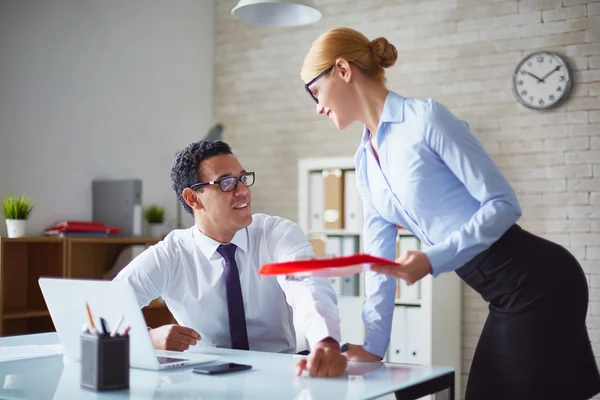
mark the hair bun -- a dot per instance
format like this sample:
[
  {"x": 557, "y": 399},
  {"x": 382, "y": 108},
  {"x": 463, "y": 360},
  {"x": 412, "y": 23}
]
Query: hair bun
[{"x": 384, "y": 53}]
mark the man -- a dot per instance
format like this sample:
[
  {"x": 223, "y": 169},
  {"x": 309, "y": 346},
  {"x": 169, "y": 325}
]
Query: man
[{"x": 208, "y": 274}]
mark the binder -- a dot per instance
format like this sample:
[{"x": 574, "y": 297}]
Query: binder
[
  {"x": 333, "y": 248},
  {"x": 350, "y": 284},
  {"x": 414, "y": 333},
  {"x": 397, "y": 352},
  {"x": 349, "y": 245},
  {"x": 352, "y": 203},
  {"x": 324, "y": 247},
  {"x": 351, "y": 322},
  {"x": 118, "y": 203},
  {"x": 318, "y": 245},
  {"x": 333, "y": 199},
  {"x": 336, "y": 283},
  {"x": 316, "y": 205}
]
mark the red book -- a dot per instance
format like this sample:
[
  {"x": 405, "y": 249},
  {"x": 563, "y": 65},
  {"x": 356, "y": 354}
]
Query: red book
[
  {"x": 69, "y": 223},
  {"x": 325, "y": 267},
  {"x": 82, "y": 228}
]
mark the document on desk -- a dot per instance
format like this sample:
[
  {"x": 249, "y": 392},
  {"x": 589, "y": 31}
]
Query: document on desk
[{"x": 13, "y": 353}]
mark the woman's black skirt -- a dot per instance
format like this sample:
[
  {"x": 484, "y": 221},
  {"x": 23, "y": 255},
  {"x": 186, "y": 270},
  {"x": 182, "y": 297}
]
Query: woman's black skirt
[{"x": 535, "y": 343}]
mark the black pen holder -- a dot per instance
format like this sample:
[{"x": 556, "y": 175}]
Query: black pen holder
[{"x": 104, "y": 362}]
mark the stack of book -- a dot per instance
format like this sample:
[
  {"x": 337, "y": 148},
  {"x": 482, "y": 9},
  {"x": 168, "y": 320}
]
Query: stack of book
[{"x": 81, "y": 229}]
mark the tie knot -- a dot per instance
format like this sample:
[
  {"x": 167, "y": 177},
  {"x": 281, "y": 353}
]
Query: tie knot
[{"x": 227, "y": 251}]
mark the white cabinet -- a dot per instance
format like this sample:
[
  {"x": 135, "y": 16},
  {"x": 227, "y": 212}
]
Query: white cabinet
[
  {"x": 407, "y": 343},
  {"x": 415, "y": 340},
  {"x": 398, "y": 351},
  {"x": 353, "y": 329},
  {"x": 427, "y": 317}
]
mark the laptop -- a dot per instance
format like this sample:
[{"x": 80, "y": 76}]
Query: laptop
[{"x": 66, "y": 299}]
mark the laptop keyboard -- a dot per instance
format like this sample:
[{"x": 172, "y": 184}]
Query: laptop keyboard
[{"x": 168, "y": 360}]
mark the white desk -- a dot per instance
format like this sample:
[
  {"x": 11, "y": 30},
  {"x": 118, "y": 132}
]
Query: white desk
[{"x": 272, "y": 377}]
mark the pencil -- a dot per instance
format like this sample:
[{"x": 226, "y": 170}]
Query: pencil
[
  {"x": 117, "y": 326},
  {"x": 89, "y": 313}
]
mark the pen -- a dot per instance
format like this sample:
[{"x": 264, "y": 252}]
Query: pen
[
  {"x": 89, "y": 313},
  {"x": 127, "y": 331},
  {"x": 104, "y": 326},
  {"x": 117, "y": 326}
]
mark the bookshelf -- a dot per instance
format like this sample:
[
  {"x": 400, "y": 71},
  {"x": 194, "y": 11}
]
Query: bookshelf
[
  {"x": 24, "y": 260},
  {"x": 426, "y": 327}
]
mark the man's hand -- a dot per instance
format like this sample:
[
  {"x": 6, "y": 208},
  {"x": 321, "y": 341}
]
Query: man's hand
[
  {"x": 415, "y": 266},
  {"x": 325, "y": 359},
  {"x": 358, "y": 353},
  {"x": 173, "y": 337}
]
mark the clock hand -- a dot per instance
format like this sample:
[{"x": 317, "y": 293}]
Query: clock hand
[
  {"x": 530, "y": 74},
  {"x": 550, "y": 73}
]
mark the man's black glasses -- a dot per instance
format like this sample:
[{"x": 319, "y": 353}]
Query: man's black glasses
[
  {"x": 228, "y": 184},
  {"x": 307, "y": 86}
]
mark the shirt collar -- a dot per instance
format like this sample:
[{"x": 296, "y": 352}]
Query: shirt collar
[
  {"x": 208, "y": 246},
  {"x": 393, "y": 111}
]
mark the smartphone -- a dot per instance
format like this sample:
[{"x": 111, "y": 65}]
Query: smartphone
[{"x": 221, "y": 368}]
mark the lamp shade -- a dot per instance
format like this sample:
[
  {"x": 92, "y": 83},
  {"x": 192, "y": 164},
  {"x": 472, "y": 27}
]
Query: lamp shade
[{"x": 277, "y": 12}]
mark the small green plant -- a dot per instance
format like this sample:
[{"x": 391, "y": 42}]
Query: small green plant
[
  {"x": 16, "y": 207},
  {"x": 155, "y": 214}
]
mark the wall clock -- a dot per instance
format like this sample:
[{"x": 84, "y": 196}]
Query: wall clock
[{"x": 542, "y": 80}]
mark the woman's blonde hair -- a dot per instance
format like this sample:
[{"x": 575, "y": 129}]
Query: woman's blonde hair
[{"x": 372, "y": 56}]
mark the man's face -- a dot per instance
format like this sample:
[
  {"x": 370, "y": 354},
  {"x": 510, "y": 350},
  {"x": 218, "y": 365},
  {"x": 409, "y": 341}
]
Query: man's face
[{"x": 224, "y": 211}]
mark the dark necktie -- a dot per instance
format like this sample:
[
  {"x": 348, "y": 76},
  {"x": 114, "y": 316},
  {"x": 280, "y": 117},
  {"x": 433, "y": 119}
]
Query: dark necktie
[{"x": 235, "y": 301}]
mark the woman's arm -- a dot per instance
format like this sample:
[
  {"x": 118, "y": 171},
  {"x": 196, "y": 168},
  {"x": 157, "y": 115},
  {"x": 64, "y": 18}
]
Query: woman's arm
[
  {"x": 452, "y": 141},
  {"x": 379, "y": 238}
]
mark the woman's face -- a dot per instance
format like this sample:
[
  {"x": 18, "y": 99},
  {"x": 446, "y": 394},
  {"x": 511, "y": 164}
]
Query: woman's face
[{"x": 334, "y": 95}]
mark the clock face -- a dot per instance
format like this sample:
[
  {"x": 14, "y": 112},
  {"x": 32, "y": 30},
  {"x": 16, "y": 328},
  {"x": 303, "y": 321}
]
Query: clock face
[{"x": 542, "y": 80}]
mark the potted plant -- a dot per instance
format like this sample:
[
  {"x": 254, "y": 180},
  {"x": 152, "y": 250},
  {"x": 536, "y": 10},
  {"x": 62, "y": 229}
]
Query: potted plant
[
  {"x": 155, "y": 216},
  {"x": 16, "y": 211}
]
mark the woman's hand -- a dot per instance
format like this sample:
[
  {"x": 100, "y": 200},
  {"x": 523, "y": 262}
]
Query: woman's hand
[{"x": 414, "y": 266}]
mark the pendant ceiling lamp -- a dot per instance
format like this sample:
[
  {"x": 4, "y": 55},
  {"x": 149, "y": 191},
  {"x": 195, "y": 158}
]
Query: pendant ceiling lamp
[{"x": 277, "y": 12}]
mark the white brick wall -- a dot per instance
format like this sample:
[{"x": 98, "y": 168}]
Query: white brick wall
[{"x": 462, "y": 53}]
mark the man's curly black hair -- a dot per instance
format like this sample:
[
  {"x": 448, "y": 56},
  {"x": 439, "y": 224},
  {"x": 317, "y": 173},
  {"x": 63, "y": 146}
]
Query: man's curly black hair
[{"x": 186, "y": 168}]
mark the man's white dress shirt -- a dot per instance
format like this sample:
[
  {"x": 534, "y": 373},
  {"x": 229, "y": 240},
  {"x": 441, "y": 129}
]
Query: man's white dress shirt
[{"x": 186, "y": 270}]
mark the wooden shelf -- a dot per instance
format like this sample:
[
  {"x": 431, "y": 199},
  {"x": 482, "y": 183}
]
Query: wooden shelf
[
  {"x": 20, "y": 314},
  {"x": 408, "y": 303},
  {"x": 98, "y": 239},
  {"x": 32, "y": 239},
  {"x": 24, "y": 260},
  {"x": 114, "y": 240}
]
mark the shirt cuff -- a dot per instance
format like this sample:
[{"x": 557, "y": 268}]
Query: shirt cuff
[
  {"x": 376, "y": 345},
  {"x": 319, "y": 330},
  {"x": 436, "y": 257}
]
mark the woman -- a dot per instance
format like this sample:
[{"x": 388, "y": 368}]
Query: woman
[{"x": 418, "y": 166}]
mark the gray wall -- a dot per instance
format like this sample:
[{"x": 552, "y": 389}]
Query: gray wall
[{"x": 107, "y": 89}]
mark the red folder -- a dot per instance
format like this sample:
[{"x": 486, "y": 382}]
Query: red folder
[
  {"x": 325, "y": 267},
  {"x": 53, "y": 230}
]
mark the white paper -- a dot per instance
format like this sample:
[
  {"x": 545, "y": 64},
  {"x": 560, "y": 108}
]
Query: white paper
[{"x": 12, "y": 353}]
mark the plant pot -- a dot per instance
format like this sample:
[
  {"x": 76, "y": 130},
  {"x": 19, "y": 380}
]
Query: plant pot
[
  {"x": 16, "y": 227},
  {"x": 156, "y": 230}
]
